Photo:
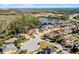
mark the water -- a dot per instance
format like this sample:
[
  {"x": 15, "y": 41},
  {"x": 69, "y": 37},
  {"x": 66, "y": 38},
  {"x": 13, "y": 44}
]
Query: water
[{"x": 51, "y": 20}]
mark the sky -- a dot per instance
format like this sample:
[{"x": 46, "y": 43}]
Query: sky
[{"x": 39, "y": 5}]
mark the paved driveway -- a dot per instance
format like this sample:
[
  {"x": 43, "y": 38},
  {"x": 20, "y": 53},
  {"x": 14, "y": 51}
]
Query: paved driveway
[{"x": 32, "y": 44}]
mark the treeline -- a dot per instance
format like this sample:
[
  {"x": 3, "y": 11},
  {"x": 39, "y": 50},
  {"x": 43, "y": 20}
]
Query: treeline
[
  {"x": 19, "y": 25},
  {"x": 24, "y": 24}
]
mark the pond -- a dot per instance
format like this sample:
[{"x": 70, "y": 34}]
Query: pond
[{"x": 51, "y": 20}]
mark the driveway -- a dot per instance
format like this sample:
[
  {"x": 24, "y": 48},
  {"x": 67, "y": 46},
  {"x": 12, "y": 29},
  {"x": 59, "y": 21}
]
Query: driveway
[{"x": 32, "y": 44}]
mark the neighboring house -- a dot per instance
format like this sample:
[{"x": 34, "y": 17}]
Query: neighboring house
[
  {"x": 34, "y": 30},
  {"x": 37, "y": 31},
  {"x": 67, "y": 30},
  {"x": 50, "y": 26},
  {"x": 53, "y": 33},
  {"x": 9, "y": 48},
  {"x": 10, "y": 40},
  {"x": 46, "y": 27},
  {"x": 61, "y": 31}
]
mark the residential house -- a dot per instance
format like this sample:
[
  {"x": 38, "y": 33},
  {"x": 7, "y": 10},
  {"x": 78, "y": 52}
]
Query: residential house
[
  {"x": 61, "y": 31},
  {"x": 46, "y": 27},
  {"x": 53, "y": 33},
  {"x": 34, "y": 30},
  {"x": 67, "y": 30}
]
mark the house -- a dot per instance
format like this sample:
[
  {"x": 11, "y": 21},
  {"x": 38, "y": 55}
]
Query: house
[
  {"x": 53, "y": 33},
  {"x": 9, "y": 48},
  {"x": 34, "y": 30},
  {"x": 61, "y": 31},
  {"x": 46, "y": 27},
  {"x": 67, "y": 30},
  {"x": 10, "y": 40},
  {"x": 37, "y": 31},
  {"x": 50, "y": 26}
]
